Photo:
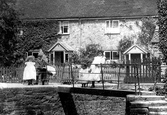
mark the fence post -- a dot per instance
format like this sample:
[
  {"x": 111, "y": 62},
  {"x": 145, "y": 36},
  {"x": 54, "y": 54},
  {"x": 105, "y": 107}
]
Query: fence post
[
  {"x": 72, "y": 74},
  {"x": 102, "y": 76},
  {"x": 138, "y": 80},
  {"x": 63, "y": 72},
  {"x": 118, "y": 76}
]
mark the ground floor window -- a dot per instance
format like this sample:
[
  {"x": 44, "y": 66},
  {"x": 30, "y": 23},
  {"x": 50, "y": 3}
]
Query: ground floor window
[
  {"x": 112, "y": 55},
  {"x": 35, "y": 54},
  {"x": 66, "y": 58}
]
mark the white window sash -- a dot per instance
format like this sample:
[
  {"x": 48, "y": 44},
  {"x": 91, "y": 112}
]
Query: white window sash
[
  {"x": 62, "y": 26},
  {"x": 109, "y": 28}
]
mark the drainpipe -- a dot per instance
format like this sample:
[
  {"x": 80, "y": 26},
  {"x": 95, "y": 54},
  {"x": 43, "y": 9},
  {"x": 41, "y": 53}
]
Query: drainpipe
[{"x": 80, "y": 34}]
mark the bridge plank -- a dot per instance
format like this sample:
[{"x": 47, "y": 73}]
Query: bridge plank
[{"x": 95, "y": 91}]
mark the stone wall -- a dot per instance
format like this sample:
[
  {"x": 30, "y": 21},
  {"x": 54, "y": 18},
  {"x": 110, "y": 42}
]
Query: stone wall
[
  {"x": 46, "y": 101},
  {"x": 93, "y": 31}
]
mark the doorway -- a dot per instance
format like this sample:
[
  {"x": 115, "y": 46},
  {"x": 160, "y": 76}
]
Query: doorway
[{"x": 59, "y": 57}]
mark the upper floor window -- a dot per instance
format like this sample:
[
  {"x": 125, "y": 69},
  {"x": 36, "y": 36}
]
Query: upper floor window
[
  {"x": 64, "y": 27},
  {"x": 112, "y": 26}
]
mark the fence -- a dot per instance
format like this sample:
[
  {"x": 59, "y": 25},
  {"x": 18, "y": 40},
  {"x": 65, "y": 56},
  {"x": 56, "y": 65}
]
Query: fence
[
  {"x": 11, "y": 74},
  {"x": 146, "y": 71}
]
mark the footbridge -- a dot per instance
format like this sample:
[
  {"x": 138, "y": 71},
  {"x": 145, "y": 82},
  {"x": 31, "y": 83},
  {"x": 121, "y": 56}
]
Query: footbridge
[{"x": 65, "y": 94}]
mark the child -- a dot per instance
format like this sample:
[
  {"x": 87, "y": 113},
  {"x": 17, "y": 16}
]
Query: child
[
  {"x": 84, "y": 75},
  {"x": 29, "y": 73},
  {"x": 95, "y": 68}
]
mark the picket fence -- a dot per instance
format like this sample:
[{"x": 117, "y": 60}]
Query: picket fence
[{"x": 146, "y": 71}]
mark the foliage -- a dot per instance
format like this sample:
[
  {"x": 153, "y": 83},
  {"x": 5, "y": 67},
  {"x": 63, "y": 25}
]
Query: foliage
[
  {"x": 75, "y": 58},
  {"x": 147, "y": 31},
  {"x": 9, "y": 43},
  {"x": 124, "y": 44},
  {"x": 86, "y": 54},
  {"x": 144, "y": 38},
  {"x": 39, "y": 35},
  {"x": 162, "y": 22}
]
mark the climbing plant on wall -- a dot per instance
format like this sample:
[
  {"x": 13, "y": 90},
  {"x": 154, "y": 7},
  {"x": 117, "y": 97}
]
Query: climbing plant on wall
[
  {"x": 39, "y": 35},
  {"x": 124, "y": 44},
  {"x": 162, "y": 23},
  {"x": 147, "y": 31}
]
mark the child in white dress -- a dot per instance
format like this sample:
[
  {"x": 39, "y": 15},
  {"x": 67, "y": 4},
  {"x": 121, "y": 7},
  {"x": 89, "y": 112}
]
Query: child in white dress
[
  {"x": 29, "y": 73},
  {"x": 95, "y": 74},
  {"x": 84, "y": 75}
]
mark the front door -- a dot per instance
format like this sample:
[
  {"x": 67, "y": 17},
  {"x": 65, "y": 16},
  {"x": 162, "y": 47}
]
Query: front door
[
  {"x": 59, "y": 57},
  {"x": 135, "y": 57}
]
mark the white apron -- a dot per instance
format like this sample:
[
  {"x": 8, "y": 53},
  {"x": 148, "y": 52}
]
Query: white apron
[
  {"x": 29, "y": 71},
  {"x": 84, "y": 75},
  {"x": 95, "y": 74}
]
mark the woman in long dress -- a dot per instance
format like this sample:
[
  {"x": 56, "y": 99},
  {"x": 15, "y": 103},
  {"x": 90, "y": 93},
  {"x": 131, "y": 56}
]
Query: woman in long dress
[
  {"x": 29, "y": 73},
  {"x": 95, "y": 74}
]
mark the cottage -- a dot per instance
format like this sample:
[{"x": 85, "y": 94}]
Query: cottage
[{"x": 83, "y": 22}]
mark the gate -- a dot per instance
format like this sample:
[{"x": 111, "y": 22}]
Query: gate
[{"x": 147, "y": 71}]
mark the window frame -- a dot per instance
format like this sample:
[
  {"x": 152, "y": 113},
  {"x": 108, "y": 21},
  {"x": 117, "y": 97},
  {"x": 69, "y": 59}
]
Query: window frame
[
  {"x": 111, "y": 55},
  {"x": 63, "y": 24},
  {"x": 109, "y": 28}
]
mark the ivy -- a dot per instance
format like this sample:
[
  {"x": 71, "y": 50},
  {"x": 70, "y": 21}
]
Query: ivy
[
  {"x": 39, "y": 35},
  {"x": 147, "y": 31},
  {"x": 124, "y": 44},
  {"x": 162, "y": 23}
]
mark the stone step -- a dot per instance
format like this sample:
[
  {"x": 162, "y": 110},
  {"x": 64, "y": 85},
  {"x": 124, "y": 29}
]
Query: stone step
[
  {"x": 131, "y": 98},
  {"x": 139, "y": 110},
  {"x": 158, "y": 108},
  {"x": 148, "y": 103},
  {"x": 158, "y": 103},
  {"x": 157, "y": 113},
  {"x": 148, "y": 93}
]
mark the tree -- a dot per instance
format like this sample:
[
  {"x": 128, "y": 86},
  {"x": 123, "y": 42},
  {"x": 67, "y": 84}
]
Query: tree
[
  {"x": 9, "y": 24},
  {"x": 38, "y": 35},
  {"x": 162, "y": 23}
]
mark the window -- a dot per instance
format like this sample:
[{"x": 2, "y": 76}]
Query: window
[
  {"x": 51, "y": 58},
  {"x": 112, "y": 55},
  {"x": 66, "y": 57},
  {"x": 64, "y": 27},
  {"x": 115, "y": 55},
  {"x": 35, "y": 54},
  {"x": 112, "y": 26}
]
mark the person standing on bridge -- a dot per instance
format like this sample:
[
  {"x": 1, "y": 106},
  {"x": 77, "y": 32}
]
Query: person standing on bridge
[{"x": 95, "y": 70}]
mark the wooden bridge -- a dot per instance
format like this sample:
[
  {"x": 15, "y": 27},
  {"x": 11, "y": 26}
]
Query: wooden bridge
[{"x": 65, "y": 94}]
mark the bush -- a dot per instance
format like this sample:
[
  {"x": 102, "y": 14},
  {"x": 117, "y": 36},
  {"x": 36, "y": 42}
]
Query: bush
[{"x": 86, "y": 55}]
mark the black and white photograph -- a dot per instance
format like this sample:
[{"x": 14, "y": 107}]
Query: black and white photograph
[{"x": 83, "y": 57}]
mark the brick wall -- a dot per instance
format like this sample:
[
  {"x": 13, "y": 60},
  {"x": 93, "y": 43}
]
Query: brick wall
[{"x": 30, "y": 101}]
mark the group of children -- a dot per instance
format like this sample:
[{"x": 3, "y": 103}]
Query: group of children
[
  {"x": 34, "y": 69},
  {"x": 37, "y": 68},
  {"x": 92, "y": 74}
]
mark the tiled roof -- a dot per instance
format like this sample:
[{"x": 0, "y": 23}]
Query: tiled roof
[{"x": 52, "y": 9}]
